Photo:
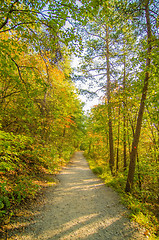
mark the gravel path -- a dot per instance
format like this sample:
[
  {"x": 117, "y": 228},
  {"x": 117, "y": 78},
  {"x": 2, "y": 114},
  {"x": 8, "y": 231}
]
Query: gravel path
[{"x": 79, "y": 207}]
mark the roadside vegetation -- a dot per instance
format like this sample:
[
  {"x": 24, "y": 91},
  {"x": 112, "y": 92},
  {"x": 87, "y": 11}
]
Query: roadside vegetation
[
  {"x": 41, "y": 117},
  {"x": 40, "y": 112},
  {"x": 143, "y": 199}
]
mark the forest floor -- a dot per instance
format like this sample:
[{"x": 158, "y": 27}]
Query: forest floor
[{"x": 79, "y": 206}]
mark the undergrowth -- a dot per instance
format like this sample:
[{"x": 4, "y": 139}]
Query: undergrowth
[
  {"x": 141, "y": 211},
  {"x": 23, "y": 161}
]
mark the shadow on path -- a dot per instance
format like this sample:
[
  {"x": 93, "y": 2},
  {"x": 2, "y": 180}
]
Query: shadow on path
[{"x": 79, "y": 207}]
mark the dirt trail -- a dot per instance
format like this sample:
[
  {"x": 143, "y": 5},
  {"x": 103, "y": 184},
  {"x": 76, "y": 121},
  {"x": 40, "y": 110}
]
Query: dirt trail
[{"x": 79, "y": 207}]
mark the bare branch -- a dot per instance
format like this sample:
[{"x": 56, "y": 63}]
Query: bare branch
[
  {"x": 95, "y": 35},
  {"x": 19, "y": 72},
  {"x": 153, "y": 12},
  {"x": 94, "y": 69},
  {"x": 100, "y": 74},
  {"x": 34, "y": 68},
  {"x": 8, "y": 95},
  {"x": 25, "y": 23},
  {"x": 104, "y": 87}
]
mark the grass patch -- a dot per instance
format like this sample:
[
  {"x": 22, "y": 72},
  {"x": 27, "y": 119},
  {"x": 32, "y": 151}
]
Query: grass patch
[{"x": 139, "y": 210}]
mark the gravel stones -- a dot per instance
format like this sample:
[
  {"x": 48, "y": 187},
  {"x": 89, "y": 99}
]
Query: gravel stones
[{"x": 79, "y": 207}]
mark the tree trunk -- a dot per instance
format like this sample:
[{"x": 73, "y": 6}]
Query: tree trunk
[
  {"x": 111, "y": 145},
  {"x": 117, "y": 154},
  {"x": 124, "y": 114},
  {"x": 130, "y": 178}
]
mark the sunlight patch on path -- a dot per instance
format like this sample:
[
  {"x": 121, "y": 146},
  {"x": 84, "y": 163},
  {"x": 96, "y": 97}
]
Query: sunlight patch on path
[{"x": 80, "y": 207}]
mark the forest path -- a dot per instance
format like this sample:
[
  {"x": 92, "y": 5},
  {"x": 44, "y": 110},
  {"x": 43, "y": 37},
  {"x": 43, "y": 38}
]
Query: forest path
[{"x": 79, "y": 207}]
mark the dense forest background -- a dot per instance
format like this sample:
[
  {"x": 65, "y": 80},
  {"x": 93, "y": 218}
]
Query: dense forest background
[{"x": 41, "y": 117}]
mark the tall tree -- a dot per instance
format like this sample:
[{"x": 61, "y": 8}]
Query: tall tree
[
  {"x": 111, "y": 143},
  {"x": 133, "y": 154},
  {"x": 124, "y": 114}
]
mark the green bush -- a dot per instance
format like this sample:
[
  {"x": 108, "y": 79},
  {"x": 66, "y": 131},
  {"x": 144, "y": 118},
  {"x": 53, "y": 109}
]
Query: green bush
[
  {"x": 4, "y": 199},
  {"x": 24, "y": 188},
  {"x": 97, "y": 170}
]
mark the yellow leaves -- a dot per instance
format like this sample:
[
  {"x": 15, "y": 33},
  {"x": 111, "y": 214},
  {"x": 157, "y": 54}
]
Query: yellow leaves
[
  {"x": 8, "y": 1},
  {"x": 52, "y": 94},
  {"x": 4, "y": 35},
  {"x": 56, "y": 74}
]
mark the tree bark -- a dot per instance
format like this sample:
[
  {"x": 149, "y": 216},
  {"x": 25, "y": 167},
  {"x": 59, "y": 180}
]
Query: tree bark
[
  {"x": 111, "y": 145},
  {"x": 124, "y": 115},
  {"x": 117, "y": 154},
  {"x": 130, "y": 178}
]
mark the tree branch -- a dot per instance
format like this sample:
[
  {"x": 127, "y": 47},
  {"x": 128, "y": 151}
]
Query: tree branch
[
  {"x": 20, "y": 76},
  {"x": 95, "y": 35},
  {"x": 17, "y": 26},
  {"x": 8, "y": 95},
  {"x": 7, "y": 17}
]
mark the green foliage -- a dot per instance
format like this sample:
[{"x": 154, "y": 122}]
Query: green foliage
[
  {"x": 128, "y": 47},
  {"x": 40, "y": 114},
  {"x": 24, "y": 188},
  {"x": 14, "y": 192},
  {"x": 140, "y": 211},
  {"x": 22, "y": 160},
  {"x": 4, "y": 199},
  {"x": 97, "y": 170}
]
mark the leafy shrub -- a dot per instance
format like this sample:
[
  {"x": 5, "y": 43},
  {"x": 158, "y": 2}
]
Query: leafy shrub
[
  {"x": 98, "y": 170},
  {"x": 22, "y": 160},
  {"x": 4, "y": 199},
  {"x": 141, "y": 212},
  {"x": 24, "y": 188}
]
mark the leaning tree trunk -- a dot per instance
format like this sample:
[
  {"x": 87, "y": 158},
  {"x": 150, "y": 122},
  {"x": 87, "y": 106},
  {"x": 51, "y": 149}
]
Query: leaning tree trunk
[
  {"x": 133, "y": 154},
  {"x": 111, "y": 145}
]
